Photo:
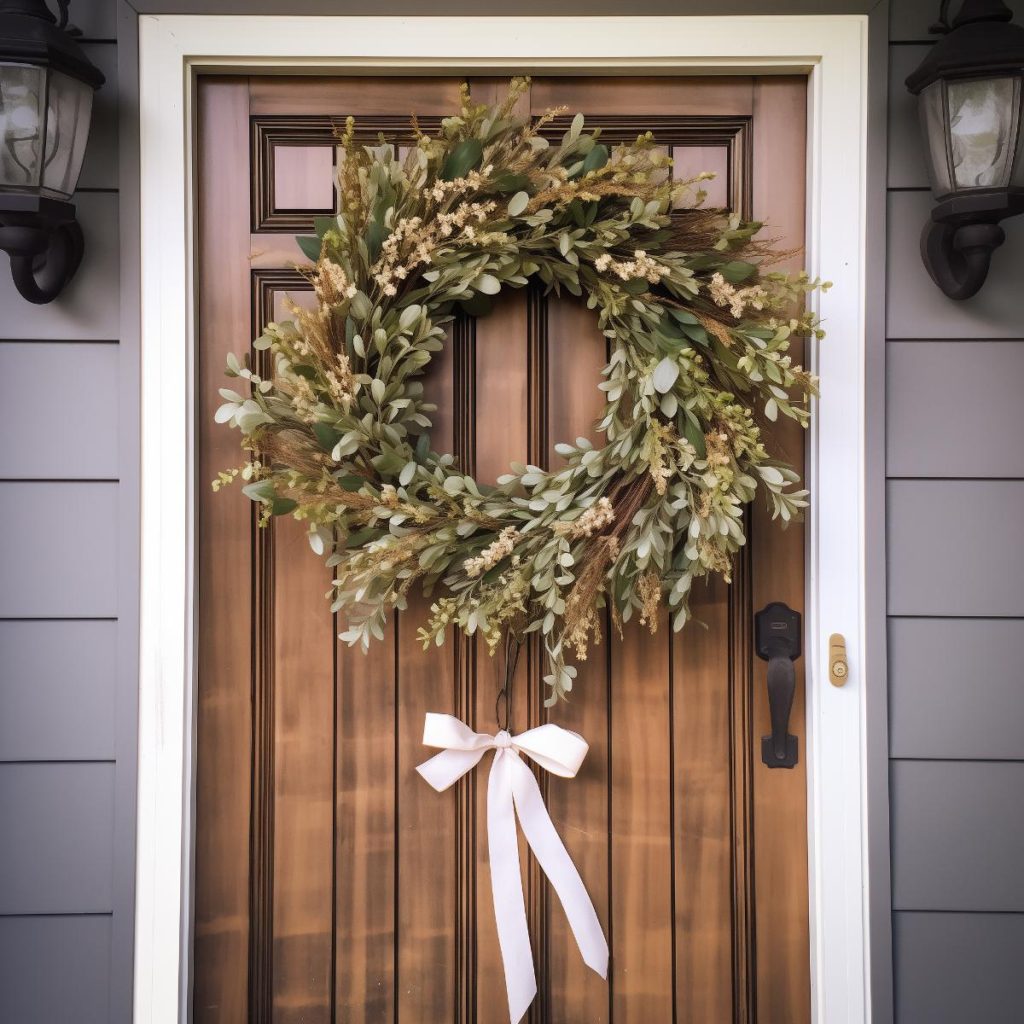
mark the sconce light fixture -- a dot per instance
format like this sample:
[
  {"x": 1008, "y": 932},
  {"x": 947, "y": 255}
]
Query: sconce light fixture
[
  {"x": 46, "y": 91},
  {"x": 970, "y": 90}
]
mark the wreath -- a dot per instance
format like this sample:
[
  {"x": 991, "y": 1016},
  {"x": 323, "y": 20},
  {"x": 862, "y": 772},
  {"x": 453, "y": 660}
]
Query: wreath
[{"x": 337, "y": 431}]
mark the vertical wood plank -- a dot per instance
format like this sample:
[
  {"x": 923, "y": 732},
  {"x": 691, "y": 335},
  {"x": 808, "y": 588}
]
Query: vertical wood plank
[
  {"x": 425, "y": 842},
  {"x": 641, "y": 855},
  {"x": 702, "y": 795},
  {"x": 501, "y": 437},
  {"x": 303, "y": 663},
  {"x": 365, "y": 864},
  {"x": 499, "y": 407},
  {"x": 224, "y": 625},
  {"x": 780, "y": 796},
  {"x": 579, "y": 807}
]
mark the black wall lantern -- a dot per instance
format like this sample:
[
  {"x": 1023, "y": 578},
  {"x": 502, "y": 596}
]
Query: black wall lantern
[
  {"x": 970, "y": 91},
  {"x": 46, "y": 91}
]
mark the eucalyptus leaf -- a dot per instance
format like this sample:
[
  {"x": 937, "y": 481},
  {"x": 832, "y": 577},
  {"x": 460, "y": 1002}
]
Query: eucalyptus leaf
[
  {"x": 518, "y": 203},
  {"x": 310, "y": 246},
  {"x": 464, "y": 158},
  {"x": 665, "y": 375}
]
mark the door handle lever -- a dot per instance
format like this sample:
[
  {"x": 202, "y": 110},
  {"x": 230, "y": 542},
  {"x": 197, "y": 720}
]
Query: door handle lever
[{"x": 777, "y": 641}]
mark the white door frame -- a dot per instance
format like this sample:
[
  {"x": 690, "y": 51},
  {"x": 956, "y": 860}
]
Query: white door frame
[{"x": 832, "y": 50}]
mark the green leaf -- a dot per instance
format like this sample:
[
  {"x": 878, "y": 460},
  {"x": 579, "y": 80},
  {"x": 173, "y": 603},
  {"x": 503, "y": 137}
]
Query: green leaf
[
  {"x": 478, "y": 305},
  {"x": 310, "y": 246},
  {"x": 375, "y": 235},
  {"x": 683, "y": 317},
  {"x": 596, "y": 158},
  {"x": 462, "y": 159},
  {"x": 359, "y": 538},
  {"x": 508, "y": 182},
  {"x": 321, "y": 225},
  {"x": 282, "y": 506},
  {"x": 695, "y": 332},
  {"x": 260, "y": 490},
  {"x": 737, "y": 271},
  {"x": 693, "y": 434},
  {"x": 488, "y": 284},
  {"x": 635, "y": 286},
  {"x": 350, "y": 482},
  {"x": 326, "y": 435}
]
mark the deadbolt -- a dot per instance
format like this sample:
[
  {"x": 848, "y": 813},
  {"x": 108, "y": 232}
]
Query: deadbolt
[{"x": 838, "y": 668}]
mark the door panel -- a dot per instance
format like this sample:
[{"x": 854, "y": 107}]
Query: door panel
[{"x": 331, "y": 883}]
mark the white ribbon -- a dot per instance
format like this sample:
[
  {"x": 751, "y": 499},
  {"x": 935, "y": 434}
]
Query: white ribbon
[{"x": 512, "y": 789}]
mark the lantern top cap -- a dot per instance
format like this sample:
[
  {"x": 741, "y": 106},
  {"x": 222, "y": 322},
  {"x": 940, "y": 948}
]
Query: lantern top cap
[
  {"x": 979, "y": 42},
  {"x": 29, "y": 34}
]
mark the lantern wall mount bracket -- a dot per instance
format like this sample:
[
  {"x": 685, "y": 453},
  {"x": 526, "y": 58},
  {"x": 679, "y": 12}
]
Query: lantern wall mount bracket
[
  {"x": 38, "y": 226},
  {"x": 979, "y": 47}
]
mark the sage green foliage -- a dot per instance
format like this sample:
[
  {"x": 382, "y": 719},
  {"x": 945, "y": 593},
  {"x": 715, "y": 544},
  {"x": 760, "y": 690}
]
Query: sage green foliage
[{"x": 339, "y": 432}]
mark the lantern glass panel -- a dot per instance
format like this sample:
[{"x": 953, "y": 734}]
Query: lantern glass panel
[
  {"x": 982, "y": 130},
  {"x": 67, "y": 131},
  {"x": 932, "y": 106},
  {"x": 22, "y": 109},
  {"x": 1017, "y": 175}
]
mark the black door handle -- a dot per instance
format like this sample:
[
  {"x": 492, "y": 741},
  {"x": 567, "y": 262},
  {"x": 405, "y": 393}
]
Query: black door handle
[{"x": 777, "y": 641}]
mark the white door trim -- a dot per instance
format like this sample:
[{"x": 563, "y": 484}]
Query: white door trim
[{"x": 832, "y": 50}]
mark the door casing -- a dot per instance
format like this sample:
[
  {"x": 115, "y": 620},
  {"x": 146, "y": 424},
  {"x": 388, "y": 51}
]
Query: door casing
[{"x": 832, "y": 51}]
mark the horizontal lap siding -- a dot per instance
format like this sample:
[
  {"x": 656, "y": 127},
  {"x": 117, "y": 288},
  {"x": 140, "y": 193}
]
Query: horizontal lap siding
[
  {"x": 955, "y": 557},
  {"x": 75, "y": 438},
  {"x": 58, "y": 690},
  {"x": 958, "y": 968},
  {"x": 67, "y": 621},
  {"x": 956, "y": 688},
  {"x": 56, "y": 969},
  {"x": 958, "y": 835},
  {"x": 56, "y": 848}
]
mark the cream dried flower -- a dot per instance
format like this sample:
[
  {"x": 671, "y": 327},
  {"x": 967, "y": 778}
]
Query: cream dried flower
[{"x": 501, "y": 547}]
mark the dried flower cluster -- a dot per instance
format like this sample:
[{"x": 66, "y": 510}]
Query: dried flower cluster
[{"x": 338, "y": 434}]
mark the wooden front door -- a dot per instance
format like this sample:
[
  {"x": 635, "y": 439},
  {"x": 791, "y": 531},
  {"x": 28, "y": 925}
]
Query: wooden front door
[{"x": 332, "y": 884}]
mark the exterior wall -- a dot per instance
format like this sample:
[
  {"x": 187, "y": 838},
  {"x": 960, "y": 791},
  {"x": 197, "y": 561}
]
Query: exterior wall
[
  {"x": 68, "y": 617},
  {"x": 955, "y": 602}
]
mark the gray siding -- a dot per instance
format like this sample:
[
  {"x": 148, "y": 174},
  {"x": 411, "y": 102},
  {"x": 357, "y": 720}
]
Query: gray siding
[
  {"x": 955, "y": 603},
  {"x": 67, "y": 616}
]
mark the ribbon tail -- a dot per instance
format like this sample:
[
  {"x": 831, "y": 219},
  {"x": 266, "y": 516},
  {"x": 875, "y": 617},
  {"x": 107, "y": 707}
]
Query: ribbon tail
[
  {"x": 556, "y": 863},
  {"x": 507, "y": 887}
]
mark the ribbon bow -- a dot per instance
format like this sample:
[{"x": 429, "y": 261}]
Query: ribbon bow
[{"x": 512, "y": 789}]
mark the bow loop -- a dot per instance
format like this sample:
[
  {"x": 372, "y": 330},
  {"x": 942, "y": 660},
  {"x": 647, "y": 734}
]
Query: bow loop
[{"x": 555, "y": 749}]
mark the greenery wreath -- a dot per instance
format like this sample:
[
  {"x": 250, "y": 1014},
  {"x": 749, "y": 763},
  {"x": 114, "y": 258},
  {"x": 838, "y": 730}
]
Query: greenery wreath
[{"x": 698, "y": 331}]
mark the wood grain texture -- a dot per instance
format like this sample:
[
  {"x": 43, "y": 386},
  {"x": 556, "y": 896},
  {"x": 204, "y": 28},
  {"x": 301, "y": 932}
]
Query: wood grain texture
[
  {"x": 640, "y": 821},
  {"x": 366, "y": 823},
  {"x": 579, "y": 807},
  {"x": 777, "y": 574},
  {"x": 303, "y": 666},
  {"x": 224, "y": 529},
  {"x": 702, "y": 802},
  {"x": 366, "y": 896}
]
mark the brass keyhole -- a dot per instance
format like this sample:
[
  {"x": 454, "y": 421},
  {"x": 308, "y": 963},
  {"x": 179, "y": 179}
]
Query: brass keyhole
[{"x": 838, "y": 669}]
